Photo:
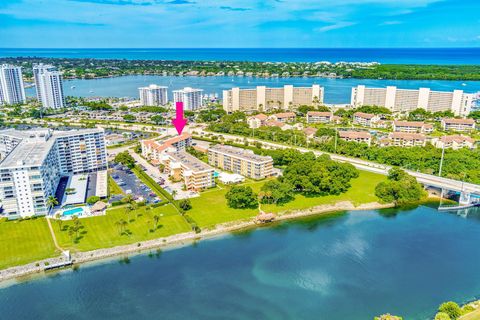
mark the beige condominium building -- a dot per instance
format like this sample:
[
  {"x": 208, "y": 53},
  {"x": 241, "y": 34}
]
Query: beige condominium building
[
  {"x": 241, "y": 161},
  {"x": 195, "y": 174},
  {"x": 264, "y": 98},
  {"x": 401, "y": 100}
]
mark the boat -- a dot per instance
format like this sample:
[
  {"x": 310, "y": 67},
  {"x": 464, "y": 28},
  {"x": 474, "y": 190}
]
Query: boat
[
  {"x": 72, "y": 87},
  {"x": 464, "y": 84}
]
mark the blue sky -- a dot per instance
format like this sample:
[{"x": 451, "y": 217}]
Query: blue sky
[{"x": 239, "y": 23}]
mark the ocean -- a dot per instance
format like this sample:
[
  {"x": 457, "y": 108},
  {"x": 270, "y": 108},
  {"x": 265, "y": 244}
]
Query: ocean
[{"x": 383, "y": 55}]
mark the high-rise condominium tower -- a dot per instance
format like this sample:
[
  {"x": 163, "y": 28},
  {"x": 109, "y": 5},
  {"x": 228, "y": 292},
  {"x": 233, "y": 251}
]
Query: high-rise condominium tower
[
  {"x": 11, "y": 85},
  {"x": 48, "y": 81}
]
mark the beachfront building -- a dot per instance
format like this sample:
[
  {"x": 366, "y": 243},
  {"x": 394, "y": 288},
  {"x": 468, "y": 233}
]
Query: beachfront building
[
  {"x": 459, "y": 125},
  {"x": 182, "y": 166},
  {"x": 11, "y": 85},
  {"x": 36, "y": 160},
  {"x": 264, "y": 98},
  {"x": 257, "y": 121},
  {"x": 49, "y": 86},
  {"x": 365, "y": 119},
  {"x": 412, "y": 127},
  {"x": 403, "y": 139},
  {"x": 191, "y": 98},
  {"x": 241, "y": 161},
  {"x": 356, "y": 136},
  {"x": 319, "y": 117},
  {"x": 153, "y": 95},
  {"x": 153, "y": 149},
  {"x": 283, "y": 117},
  {"x": 454, "y": 142},
  {"x": 404, "y": 100}
]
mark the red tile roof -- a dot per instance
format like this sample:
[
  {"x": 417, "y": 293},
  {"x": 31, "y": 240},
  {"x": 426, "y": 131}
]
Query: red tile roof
[{"x": 355, "y": 134}]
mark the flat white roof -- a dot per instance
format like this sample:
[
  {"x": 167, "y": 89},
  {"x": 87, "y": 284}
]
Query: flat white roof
[
  {"x": 78, "y": 182},
  {"x": 101, "y": 187}
]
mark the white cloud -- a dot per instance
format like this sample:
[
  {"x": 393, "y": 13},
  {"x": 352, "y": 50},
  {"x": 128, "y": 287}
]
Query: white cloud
[{"x": 339, "y": 25}]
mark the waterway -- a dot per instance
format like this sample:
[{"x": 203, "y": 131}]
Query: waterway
[
  {"x": 337, "y": 91},
  {"x": 351, "y": 265}
]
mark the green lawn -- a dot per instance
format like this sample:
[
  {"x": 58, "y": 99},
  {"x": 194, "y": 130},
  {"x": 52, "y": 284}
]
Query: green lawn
[
  {"x": 102, "y": 231},
  {"x": 211, "y": 207},
  {"x": 113, "y": 187},
  {"x": 25, "y": 241},
  {"x": 361, "y": 191},
  {"x": 474, "y": 315}
]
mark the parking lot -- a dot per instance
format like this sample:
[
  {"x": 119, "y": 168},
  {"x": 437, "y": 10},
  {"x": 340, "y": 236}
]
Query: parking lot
[{"x": 130, "y": 184}]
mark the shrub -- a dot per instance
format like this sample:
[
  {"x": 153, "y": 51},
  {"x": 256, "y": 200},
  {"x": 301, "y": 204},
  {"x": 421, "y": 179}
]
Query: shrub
[{"x": 452, "y": 309}]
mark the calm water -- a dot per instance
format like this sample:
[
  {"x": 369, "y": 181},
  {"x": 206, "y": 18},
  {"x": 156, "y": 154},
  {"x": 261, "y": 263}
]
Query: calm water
[
  {"x": 349, "y": 266},
  {"x": 383, "y": 55},
  {"x": 336, "y": 90}
]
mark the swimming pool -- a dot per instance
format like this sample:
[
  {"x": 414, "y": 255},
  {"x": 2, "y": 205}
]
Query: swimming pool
[{"x": 70, "y": 212}]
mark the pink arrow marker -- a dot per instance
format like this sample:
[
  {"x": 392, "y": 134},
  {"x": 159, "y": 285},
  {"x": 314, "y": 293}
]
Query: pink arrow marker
[{"x": 179, "y": 121}]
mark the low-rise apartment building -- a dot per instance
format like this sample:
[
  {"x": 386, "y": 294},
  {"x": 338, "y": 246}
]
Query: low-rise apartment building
[
  {"x": 283, "y": 117},
  {"x": 412, "y": 127},
  {"x": 195, "y": 174},
  {"x": 319, "y": 117},
  {"x": 153, "y": 149},
  {"x": 404, "y": 139},
  {"x": 35, "y": 160},
  {"x": 365, "y": 119},
  {"x": 459, "y": 125},
  {"x": 241, "y": 161},
  {"x": 454, "y": 142},
  {"x": 356, "y": 136},
  {"x": 264, "y": 98},
  {"x": 257, "y": 121}
]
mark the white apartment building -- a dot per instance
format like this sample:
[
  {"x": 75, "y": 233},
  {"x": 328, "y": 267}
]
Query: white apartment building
[
  {"x": 403, "y": 139},
  {"x": 454, "y": 142},
  {"x": 365, "y": 119},
  {"x": 49, "y": 86},
  {"x": 11, "y": 85},
  {"x": 191, "y": 98},
  {"x": 401, "y": 100},
  {"x": 460, "y": 125},
  {"x": 412, "y": 126},
  {"x": 35, "y": 160},
  {"x": 264, "y": 98},
  {"x": 153, "y": 95},
  {"x": 319, "y": 116}
]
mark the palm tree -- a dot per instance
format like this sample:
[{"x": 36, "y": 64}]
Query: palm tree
[
  {"x": 156, "y": 218},
  {"x": 121, "y": 224},
  {"x": 128, "y": 209},
  {"x": 174, "y": 193},
  {"x": 71, "y": 233},
  {"x": 59, "y": 220},
  {"x": 52, "y": 201}
]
